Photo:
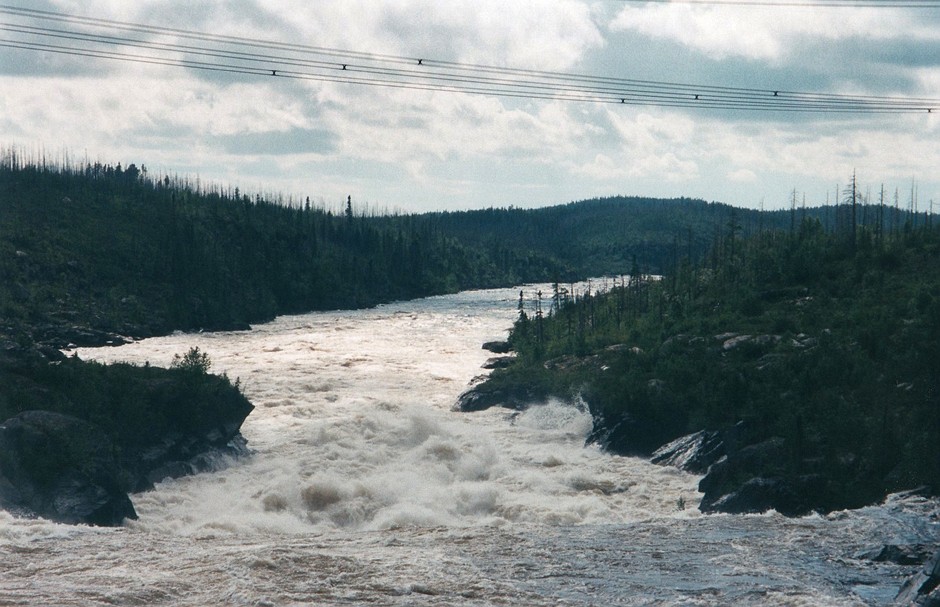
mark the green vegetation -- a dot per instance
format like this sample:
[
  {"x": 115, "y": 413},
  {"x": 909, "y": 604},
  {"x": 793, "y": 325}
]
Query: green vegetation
[
  {"x": 141, "y": 409},
  {"x": 114, "y": 249},
  {"x": 608, "y": 236},
  {"x": 593, "y": 237},
  {"x": 193, "y": 361},
  {"x": 828, "y": 340},
  {"x": 818, "y": 326}
]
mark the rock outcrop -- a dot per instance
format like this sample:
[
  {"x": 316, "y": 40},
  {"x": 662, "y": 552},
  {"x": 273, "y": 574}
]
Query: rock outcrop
[
  {"x": 65, "y": 469},
  {"x": 63, "y": 336},
  {"x": 498, "y": 362},
  {"x": 742, "y": 477},
  {"x": 693, "y": 453},
  {"x": 202, "y": 415},
  {"x": 62, "y": 468},
  {"x": 78, "y": 437},
  {"x": 483, "y": 395},
  {"x": 790, "y": 496},
  {"x": 181, "y": 454},
  {"x": 497, "y": 347}
]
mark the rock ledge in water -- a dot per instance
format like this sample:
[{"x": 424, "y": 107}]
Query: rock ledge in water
[
  {"x": 499, "y": 362},
  {"x": 497, "y": 347},
  {"x": 743, "y": 477},
  {"x": 483, "y": 395},
  {"x": 899, "y": 554},
  {"x": 922, "y": 590}
]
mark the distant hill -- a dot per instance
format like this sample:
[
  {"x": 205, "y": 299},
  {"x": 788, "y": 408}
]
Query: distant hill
[
  {"x": 114, "y": 249},
  {"x": 605, "y": 236}
]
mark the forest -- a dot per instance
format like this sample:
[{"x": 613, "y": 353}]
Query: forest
[
  {"x": 117, "y": 250},
  {"x": 824, "y": 343},
  {"x": 816, "y": 327}
]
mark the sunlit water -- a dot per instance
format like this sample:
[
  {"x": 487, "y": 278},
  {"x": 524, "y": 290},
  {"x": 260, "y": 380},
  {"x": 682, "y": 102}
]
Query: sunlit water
[{"x": 365, "y": 488}]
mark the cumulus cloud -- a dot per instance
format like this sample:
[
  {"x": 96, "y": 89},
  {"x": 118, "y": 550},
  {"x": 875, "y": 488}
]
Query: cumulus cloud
[
  {"x": 416, "y": 149},
  {"x": 539, "y": 34},
  {"x": 723, "y": 31},
  {"x": 742, "y": 176}
]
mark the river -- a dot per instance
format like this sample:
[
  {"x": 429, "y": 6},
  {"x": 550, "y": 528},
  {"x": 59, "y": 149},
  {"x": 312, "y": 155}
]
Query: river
[{"x": 365, "y": 488}]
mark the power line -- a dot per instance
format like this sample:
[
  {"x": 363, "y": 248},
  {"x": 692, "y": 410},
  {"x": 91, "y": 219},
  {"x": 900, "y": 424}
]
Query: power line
[
  {"x": 153, "y": 45},
  {"x": 705, "y": 95}
]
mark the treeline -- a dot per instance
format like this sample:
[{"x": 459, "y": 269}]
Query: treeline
[
  {"x": 825, "y": 341},
  {"x": 615, "y": 235},
  {"x": 119, "y": 250},
  {"x": 602, "y": 236}
]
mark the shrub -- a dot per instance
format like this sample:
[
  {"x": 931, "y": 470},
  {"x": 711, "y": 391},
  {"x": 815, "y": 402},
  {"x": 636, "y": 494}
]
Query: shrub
[{"x": 194, "y": 360}]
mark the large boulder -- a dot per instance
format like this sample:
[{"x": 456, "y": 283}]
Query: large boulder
[
  {"x": 923, "y": 589},
  {"x": 756, "y": 478},
  {"x": 62, "y": 468}
]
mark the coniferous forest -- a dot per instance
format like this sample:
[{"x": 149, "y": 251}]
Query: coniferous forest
[
  {"x": 115, "y": 249},
  {"x": 813, "y": 332},
  {"x": 817, "y": 352},
  {"x": 119, "y": 251}
]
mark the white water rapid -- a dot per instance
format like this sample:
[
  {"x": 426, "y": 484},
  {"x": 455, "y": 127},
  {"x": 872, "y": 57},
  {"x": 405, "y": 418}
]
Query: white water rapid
[{"x": 364, "y": 488}]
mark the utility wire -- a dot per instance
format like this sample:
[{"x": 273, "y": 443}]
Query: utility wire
[
  {"x": 704, "y": 94},
  {"x": 136, "y": 43}
]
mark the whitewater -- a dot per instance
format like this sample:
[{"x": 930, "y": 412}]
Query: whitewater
[{"x": 364, "y": 487}]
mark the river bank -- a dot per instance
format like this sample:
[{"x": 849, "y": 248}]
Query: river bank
[
  {"x": 362, "y": 473},
  {"x": 77, "y": 437}
]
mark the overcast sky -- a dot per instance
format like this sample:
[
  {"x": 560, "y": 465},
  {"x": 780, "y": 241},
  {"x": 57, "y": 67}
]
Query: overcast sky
[{"x": 417, "y": 150}]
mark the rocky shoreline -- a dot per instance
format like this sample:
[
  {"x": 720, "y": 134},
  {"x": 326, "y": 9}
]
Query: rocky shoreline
[
  {"x": 742, "y": 471},
  {"x": 745, "y": 467},
  {"x": 79, "y": 438}
]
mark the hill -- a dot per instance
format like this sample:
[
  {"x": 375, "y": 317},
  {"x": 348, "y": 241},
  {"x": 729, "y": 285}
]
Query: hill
[
  {"x": 95, "y": 250},
  {"x": 822, "y": 344},
  {"x": 109, "y": 249}
]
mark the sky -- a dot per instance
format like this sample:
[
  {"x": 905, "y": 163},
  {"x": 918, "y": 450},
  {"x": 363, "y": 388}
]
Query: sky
[{"x": 408, "y": 150}]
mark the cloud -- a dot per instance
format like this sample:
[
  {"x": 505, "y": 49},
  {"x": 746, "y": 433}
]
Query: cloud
[
  {"x": 542, "y": 34},
  {"x": 766, "y": 34},
  {"x": 424, "y": 149},
  {"x": 641, "y": 144},
  {"x": 278, "y": 143},
  {"x": 742, "y": 176}
]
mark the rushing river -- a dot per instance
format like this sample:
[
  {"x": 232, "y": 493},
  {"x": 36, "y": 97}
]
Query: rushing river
[{"x": 364, "y": 488}]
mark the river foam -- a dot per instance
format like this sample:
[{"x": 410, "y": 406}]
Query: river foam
[
  {"x": 364, "y": 487},
  {"x": 353, "y": 429}
]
